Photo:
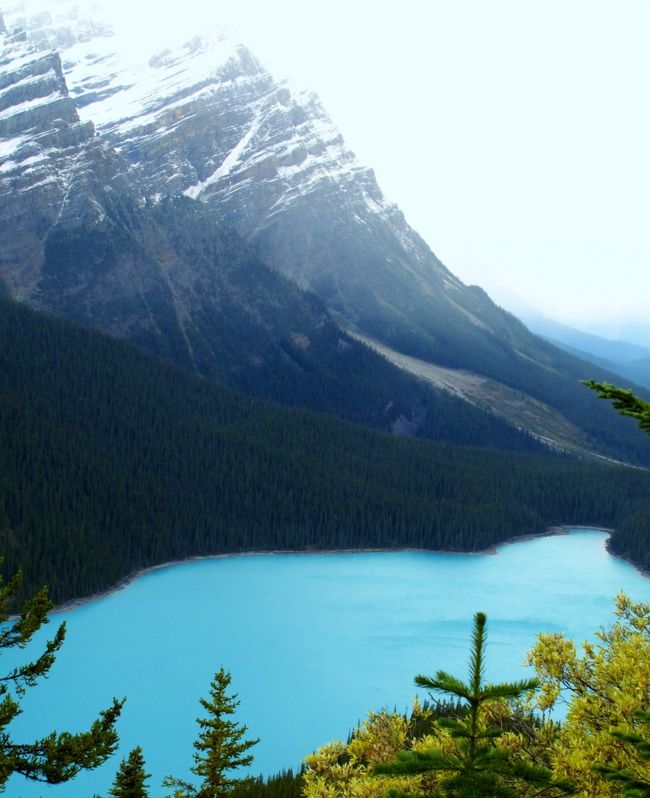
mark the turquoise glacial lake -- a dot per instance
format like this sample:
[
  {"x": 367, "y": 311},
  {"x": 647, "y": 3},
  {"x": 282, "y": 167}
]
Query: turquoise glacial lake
[{"x": 313, "y": 642}]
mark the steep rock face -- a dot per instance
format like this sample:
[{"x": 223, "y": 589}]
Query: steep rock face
[
  {"x": 41, "y": 139},
  {"x": 209, "y": 121}
]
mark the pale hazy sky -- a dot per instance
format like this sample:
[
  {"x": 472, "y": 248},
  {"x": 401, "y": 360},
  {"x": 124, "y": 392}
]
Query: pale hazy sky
[{"x": 515, "y": 135}]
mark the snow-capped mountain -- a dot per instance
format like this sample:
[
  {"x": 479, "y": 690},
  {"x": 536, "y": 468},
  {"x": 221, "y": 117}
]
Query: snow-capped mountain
[
  {"x": 207, "y": 120},
  {"x": 103, "y": 150},
  {"x": 88, "y": 235}
]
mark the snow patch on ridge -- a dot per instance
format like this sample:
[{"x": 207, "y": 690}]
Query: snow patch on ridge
[
  {"x": 9, "y": 147},
  {"x": 138, "y": 90},
  {"x": 29, "y": 105},
  {"x": 229, "y": 163},
  {"x": 28, "y": 80}
]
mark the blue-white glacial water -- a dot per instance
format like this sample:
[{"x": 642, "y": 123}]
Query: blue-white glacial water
[{"x": 313, "y": 642}]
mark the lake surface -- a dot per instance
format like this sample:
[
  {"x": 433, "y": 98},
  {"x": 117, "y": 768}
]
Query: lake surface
[{"x": 313, "y": 641}]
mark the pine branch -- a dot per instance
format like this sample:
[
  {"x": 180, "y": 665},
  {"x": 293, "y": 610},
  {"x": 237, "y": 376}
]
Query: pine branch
[{"x": 624, "y": 401}]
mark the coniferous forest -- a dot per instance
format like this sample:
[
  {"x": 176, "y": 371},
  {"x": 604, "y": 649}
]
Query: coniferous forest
[{"x": 112, "y": 461}]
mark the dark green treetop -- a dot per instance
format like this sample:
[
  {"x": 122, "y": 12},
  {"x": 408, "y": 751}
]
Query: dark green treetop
[
  {"x": 130, "y": 778},
  {"x": 220, "y": 747},
  {"x": 59, "y": 756},
  {"x": 479, "y": 768}
]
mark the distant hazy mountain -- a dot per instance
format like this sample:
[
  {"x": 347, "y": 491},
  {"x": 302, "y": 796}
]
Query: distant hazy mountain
[
  {"x": 636, "y": 370},
  {"x": 96, "y": 153},
  {"x": 586, "y": 343},
  {"x": 629, "y": 360}
]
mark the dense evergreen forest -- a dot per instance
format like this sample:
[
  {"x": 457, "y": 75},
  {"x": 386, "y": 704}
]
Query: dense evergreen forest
[{"x": 111, "y": 460}]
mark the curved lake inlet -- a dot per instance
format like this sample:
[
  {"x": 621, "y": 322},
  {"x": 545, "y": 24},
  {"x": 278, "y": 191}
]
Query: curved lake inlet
[{"x": 313, "y": 641}]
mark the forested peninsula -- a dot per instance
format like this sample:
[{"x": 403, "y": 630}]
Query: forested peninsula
[{"x": 113, "y": 461}]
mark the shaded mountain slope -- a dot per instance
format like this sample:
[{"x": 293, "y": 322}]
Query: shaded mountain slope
[{"x": 168, "y": 278}]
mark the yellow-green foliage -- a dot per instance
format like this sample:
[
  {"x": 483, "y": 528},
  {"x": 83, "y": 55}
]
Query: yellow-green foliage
[
  {"x": 338, "y": 770},
  {"x": 380, "y": 738},
  {"x": 604, "y": 687}
]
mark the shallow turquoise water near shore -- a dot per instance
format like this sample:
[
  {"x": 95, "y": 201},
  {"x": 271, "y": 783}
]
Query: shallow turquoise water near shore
[{"x": 313, "y": 641}]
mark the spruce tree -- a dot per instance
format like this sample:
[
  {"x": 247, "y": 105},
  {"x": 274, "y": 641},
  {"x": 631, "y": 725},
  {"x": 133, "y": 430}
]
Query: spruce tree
[
  {"x": 220, "y": 747},
  {"x": 59, "y": 756},
  {"x": 479, "y": 768},
  {"x": 130, "y": 778}
]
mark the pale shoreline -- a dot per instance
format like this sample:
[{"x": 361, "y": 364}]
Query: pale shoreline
[{"x": 127, "y": 580}]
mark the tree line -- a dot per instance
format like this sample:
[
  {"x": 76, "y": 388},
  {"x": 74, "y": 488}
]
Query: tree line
[{"x": 111, "y": 461}]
